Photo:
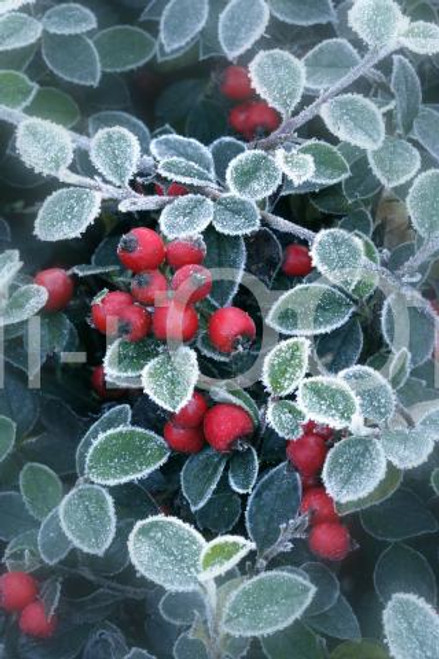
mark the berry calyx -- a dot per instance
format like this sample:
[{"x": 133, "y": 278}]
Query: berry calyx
[
  {"x": 236, "y": 83},
  {"x": 134, "y": 323},
  {"x": 192, "y": 283},
  {"x": 174, "y": 322},
  {"x": 147, "y": 285},
  {"x": 174, "y": 190},
  {"x": 141, "y": 249},
  {"x": 192, "y": 414},
  {"x": 297, "y": 261},
  {"x": 99, "y": 385},
  {"x": 226, "y": 424},
  {"x": 307, "y": 454},
  {"x": 185, "y": 440},
  {"x": 34, "y": 621},
  {"x": 187, "y": 251},
  {"x": 106, "y": 308},
  {"x": 229, "y": 327},
  {"x": 17, "y": 590},
  {"x": 261, "y": 119},
  {"x": 59, "y": 287},
  {"x": 330, "y": 540},
  {"x": 320, "y": 506}
]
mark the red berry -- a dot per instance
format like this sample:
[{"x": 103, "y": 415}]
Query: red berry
[
  {"x": 236, "y": 83},
  {"x": 297, "y": 261},
  {"x": 308, "y": 482},
  {"x": 185, "y": 440},
  {"x": 141, "y": 249},
  {"x": 146, "y": 285},
  {"x": 99, "y": 384},
  {"x": 58, "y": 285},
  {"x": 192, "y": 414},
  {"x": 17, "y": 590},
  {"x": 34, "y": 621},
  {"x": 174, "y": 190},
  {"x": 319, "y": 505},
  {"x": 192, "y": 283},
  {"x": 185, "y": 252},
  {"x": 134, "y": 323},
  {"x": 225, "y": 424},
  {"x": 238, "y": 117},
  {"x": 307, "y": 454},
  {"x": 174, "y": 322},
  {"x": 330, "y": 540},
  {"x": 106, "y": 308},
  {"x": 228, "y": 327},
  {"x": 311, "y": 427},
  {"x": 260, "y": 120}
]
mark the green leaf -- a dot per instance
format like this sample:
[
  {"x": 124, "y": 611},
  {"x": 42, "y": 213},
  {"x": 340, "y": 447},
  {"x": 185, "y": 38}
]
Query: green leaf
[
  {"x": 236, "y": 35},
  {"x": 8, "y": 430},
  {"x": 183, "y": 171},
  {"x": 285, "y": 418},
  {"x": 299, "y": 167},
  {"x": 44, "y": 146},
  {"x": 400, "y": 368},
  {"x": 234, "y": 216},
  {"x": 200, "y": 476},
  {"x": 253, "y": 175},
  {"x": 169, "y": 380},
  {"x": 18, "y": 30},
  {"x": 55, "y": 105},
  {"x": 88, "y": 519},
  {"x": 181, "y": 21},
  {"x": 285, "y": 366},
  {"x": 377, "y": 22},
  {"x": 122, "y": 455},
  {"x": 310, "y": 309},
  {"x": 12, "y": 5},
  {"x": 425, "y": 130},
  {"x": 128, "y": 359},
  {"x": 14, "y": 516},
  {"x": 243, "y": 470},
  {"x": 329, "y": 165},
  {"x": 407, "y": 449},
  {"x": 112, "y": 118},
  {"x": 176, "y": 146},
  {"x": 328, "y": 400},
  {"x": 395, "y": 162},
  {"x": 354, "y": 468},
  {"x": 10, "y": 265},
  {"x": 189, "y": 647},
  {"x": 115, "y": 152},
  {"x": 434, "y": 480},
  {"x": 297, "y": 12},
  {"x": 306, "y": 644},
  {"x": 389, "y": 484},
  {"x": 53, "y": 543},
  {"x": 223, "y": 553},
  {"x": 16, "y": 90},
  {"x": 411, "y": 627},
  {"x": 377, "y": 399},
  {"x": 267, "y": 603},
  {"x": 406, "y": 88},
  {"x": 421, "y": 37},
  {"x": 167, "y": 551},
  {"x": 69, "y": 18},
  {"x": 423, "y": 203},
  {"x": 328, "y": 588},
  {"x": 123, "y": 47},
  {"x": 341, "y": 348},
  {"x": 224, "y": 252},
  {"x": 24, "y": 303},
  {"x": 329, "y": 62},
  {"x": 402, "y": 569},
  {"x": 409, "y": 324},
  {"x": 359, "y": 650},
  {"x": 354, "y": 119},
  {"x": 339, "y": 621},
  {"x": 338, "y": 255},
  {"x": 186, "y": 216},
  {"x": 67, "y": 213},
  {"x": 116, "y": 417},
  {"x": 429, "y": 424},
  {"x": 73, "y": 58},
  {"x": 279, "y": 78},
  {"x": 40, "y": 488}
]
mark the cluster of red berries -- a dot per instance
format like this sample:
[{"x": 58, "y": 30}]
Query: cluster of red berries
[
  {"x": 296, "y": 261},
  {"x": 222, "y": 426},
  {"x": 59, "y": 286},
  {"x": 328, "y": 538},
  {"x": 252, "y": 118},
  {"x": 18, "y": 594}
]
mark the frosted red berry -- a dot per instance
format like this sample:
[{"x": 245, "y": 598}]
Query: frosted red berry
[
  {"x": 185, "y": 440},
  {"x": 307, "y": 454},
  {"x": 238, "y": 117},
  {"x": 320, "y": 506},
  {"x": 309, "y": 481},
  {"x": 17, "y": 590},
  {"x": 330, "y": 540},
  {"x": 59, "y": 286},
  {"x": 192, "y": 283},
  {"x": 141, "y": 249},
  {"x": 229, "y": 327},
  {"x": 134, "y": 323},
  {"x": 318, "y": 429},
  {"x": 236, "y": 83},
  {"x": 34, "y": 621},
  {"x": 100, "y": 387},
  {"x": 174, "y": 322},
  {"x": 106, "y": 308},
  {"x": 186, "y": 251},
  {"x": 225, "y": 424},
  {"x": 192, "y": 414},
  {"x": 147, "y": 285},
  {"x": 260, "y": 120},
  {"x": 174, "y": 190},
  {"x": 297, "y": 261}
]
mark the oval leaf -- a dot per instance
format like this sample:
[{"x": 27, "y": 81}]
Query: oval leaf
[
  {"x": 285, "y": 418},
  {"x": 171, "y": 378},
  {"x": 285, "y": 366},
  {"x": 423, "y": 203},
  {"x": 377, "y": 22},
  {"x": 40, "y": 488},
  {"x": 411, "y": 627},
  {"x": 181, "y": 21},
  {"x": 329, "y": 62},
  {"x": 18, "y": 30},
  {"x": 279, "y": 78},
  {"x": 186, "y": 216},
  {"x": 234, "y": 216},
  {"x": 123, "y": 47},
  {"x": 236, "y": 35},
  {"x": 73, "y": 58},
  {"x": 69, "y": 18},
  {"x": 407, "y": 449},
  {"x": 377, "y": 400},
  {"x": 395, "y": 162},
  {"x": 67, "y": 213},
  {"x": 328, "y": 400},
  {"x": 44, "y": 146},
  {"x": 253, "y": 175},
  {"x": 115, "y": 152},
  {"x": 354, "y": 119},
  {"x": 223, "y": 553},
  {"x": 200, "y": 476}
]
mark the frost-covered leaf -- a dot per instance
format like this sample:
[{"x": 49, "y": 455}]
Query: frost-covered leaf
[
  {"x": 121, "y": 455},
  {"x": 67, "y": 213},
  {"x": 24, "y": 303},
  {"x": 223, "y": 553},
  {"x": 411, "y": 627},
  {"x": 123, "y": 47},
  {"x": 297, "y": 635},
  {"x": 429, "y": 423},
  {"x": 223, "y": 150},
  {"x": 88, "y": 519},
  {"x": 406, "y": 87},
  {"x": 408, "y": 323},
  {"x": 200, "y": 476},
  {"x": 328, "y": 400},
  {"x": 69, "y": 18},
  {"x": 116, "y": 417},
  {"x": 176, "y": 146},
  {"x": 234, "y": 216},
  {"x": 384, "y": 490},
  {"x": 167, "y": 551},
  {"x": 297, "y": 12},
  {"x": 354, "y": 119},
  {"x": 338, "y": 255},
  {"x": 299, "y": 167},
  {"x": 285, "y": 418},
  {"x": 402, "y": 569},
  {"x": 395, "y": 162},
  {"x": 425, "y": 130},
  {"x": 53, "y": 543},
  {"x": 407, "y": 449},
  {"x": 186, "y": 216},
  {"x": 285, "y": 366},
  {"x": 181, "y": 21},
  {"x": 184, "y": 171},
  {"x": 253, "y": 175},
  {"x": 339, "y": 621},
  {"x": 10, "y": 265},
  {"x": 354, "y": 467},
  {"x": 40, "y": 488},
  {"x": 377, "y": 22},
  {"x": 377, "y": 400},
  {"x": 73, "y": 58},
  {"x": 112, "y": 118},
  {"x": 328, "y": 62},
  {"x": 55, "y": 105},
  {"x": 115, "y": 152},
  {"x": 128, "y": 359},
  {"x": 11, "y": 5},
  {"x": 423, "y": 203},
  {"x": 8, "y": 431},
  {"x": 400, "y": 368},
  {"x": 279, "y": 78},
  {"x": 241, "y": 24},
  {"x": 421, "y": 37},
  {"x": 434, "y": 480},
  {"x": 310, "y": 309},
  {"x": 44, "y": 146},
  {"x": 224, "y": 252},
  {"x": 243, "y": 470},
  {"x": 18, "y": 30},
  {"x": 329, "y": 165},
  {"x": 170, "y": 378},
  {"x": 266, "y": 603},
  {"x": 16, "y": 90}
]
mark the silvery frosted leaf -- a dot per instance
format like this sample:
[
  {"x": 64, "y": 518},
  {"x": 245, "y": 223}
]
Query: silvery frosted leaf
[
  {"x": 186, "y": 216},
  {"x": 44, "y": 146},
  {"x": 297, "y": 12},
  {"x": 338, "y": 255},
  {"x": 53, "y": 543},
  {"x": 279, "y": 78},
  {"x": 181, "y": 21},
  {"x": 328, "y": 62},
  {"x": 400, "y": 368},
  {"x": 11, "y": 5},
  {"x": 18, "y": 30},
  {"x": 285, "y": 366},
  {"x": 223, "y": 150},
  {"x": 354, "y": 119},
  {"x": 115, "y": 152},
  {"x": 67, "y": 213},
  {"x": 299, "y": 167},
  {"x": 395, "y": 162},
  {"x": 429, "y": 423},
  {"x": 53, "y": 104},
  {"x": 73, "y": 58},
  {"x": 421, "y": 37},
  {"x": 253, "y": 175},
  {"x": 377, "y": 22},
  {"x": 200, "y": 476},
  {"x": 223, "y": 553},
  {"x": 112, "y": 118},
  {"x": 123, "y": 47},
  {"x": 184, "y": 171},
  {"x": 16, "y": 90},
  {"x": 128, "y": 359},
  {"x": 10, "y": 265},
  {"x": 407, "y": 448},
  {"x": 243, "y": 470},
  {"x": 176, "y": 146},
  {"x": 241, "y": 24},
  {"x": 423, "y": 203},
  {"x": 406, "y": 87},
  {"x": 411, "y": 627},
  {"x": 69, "y": 18},
  {"x": 8, "y": 431},
  {"x": 234, "y": 216},
  {"x": 169, "y": 379},
  {"x": 41, "y": 489},
  {"x": 329, "y": 165},
  {"x": 376, "y": 396},
  {"x": 24, "y": 303},
  {"x": 328, "y": 400},
  {"x": 425, "y": 129},
  {"x": 286, "y": 418}
]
